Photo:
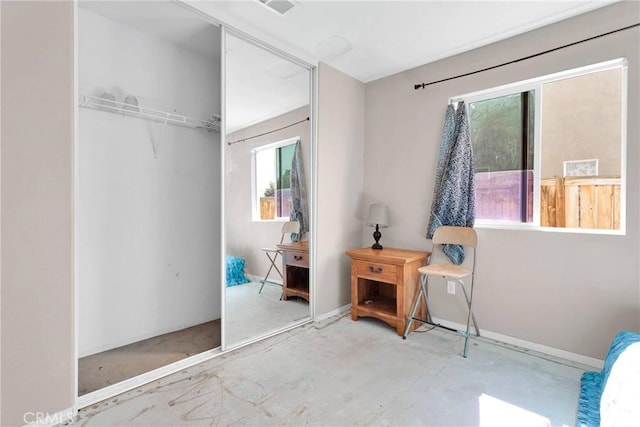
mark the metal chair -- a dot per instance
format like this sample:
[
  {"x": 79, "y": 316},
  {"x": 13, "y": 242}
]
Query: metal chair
[
  {"x": 273, "y": 253},
  {"x": 468, "y": 238}
]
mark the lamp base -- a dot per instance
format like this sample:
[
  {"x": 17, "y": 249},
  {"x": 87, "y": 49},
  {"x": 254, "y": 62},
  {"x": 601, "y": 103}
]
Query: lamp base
[{"x": 377, "y": 235}]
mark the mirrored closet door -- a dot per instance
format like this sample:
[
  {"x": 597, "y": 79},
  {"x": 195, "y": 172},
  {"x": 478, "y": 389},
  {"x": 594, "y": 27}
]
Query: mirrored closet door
[
  {"x": 267, "y": 190},
  {"x": 149, "y": 188}
]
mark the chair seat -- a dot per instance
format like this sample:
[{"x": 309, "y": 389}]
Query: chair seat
[
  {"x": 444, "y": 270},
  {"x": 271, "y": 250}
]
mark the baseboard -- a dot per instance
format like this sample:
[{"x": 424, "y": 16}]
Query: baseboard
[
  {"x": 44, "y": 419},
  {"x": 337, "y": 311},
  {"x": 551, "y": 351},
  {"x": 259, "y": 279}
]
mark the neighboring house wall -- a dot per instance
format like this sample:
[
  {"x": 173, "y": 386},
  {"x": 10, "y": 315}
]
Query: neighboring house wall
[
  {"x": 149, "y": 193},
  {"x": 593, "y": 99},
  {"x": 245, "y": 237},
  {"x": 340, "y": 182},
  {"x": 572, "y": 292},
  {"x": 38, "y": 366}
]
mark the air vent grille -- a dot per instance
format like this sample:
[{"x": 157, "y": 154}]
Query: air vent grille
[{"x": 279, "y": 6}]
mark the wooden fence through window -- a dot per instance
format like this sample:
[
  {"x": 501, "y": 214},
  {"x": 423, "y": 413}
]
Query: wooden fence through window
[
  {"x": 580, "y": 202},
  {"x": 267, "y": 207}
]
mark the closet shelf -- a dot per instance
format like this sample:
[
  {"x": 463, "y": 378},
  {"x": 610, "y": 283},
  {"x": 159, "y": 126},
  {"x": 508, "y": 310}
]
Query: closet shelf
[{"x": 103, "y": 104}]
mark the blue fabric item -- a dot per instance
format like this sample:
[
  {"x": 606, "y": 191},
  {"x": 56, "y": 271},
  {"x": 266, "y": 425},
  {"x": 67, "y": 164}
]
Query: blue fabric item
[
  {"x": 454, "y": 191},
  {"x": 592, "y": 383},
  {"x": 299, "y": 208},
  {"x": 235, "y": 271}
]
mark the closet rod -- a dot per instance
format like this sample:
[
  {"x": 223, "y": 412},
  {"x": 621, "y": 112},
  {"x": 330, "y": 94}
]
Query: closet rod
[
  {"x": 423, "y": 85},
  {"x": 112, "y": 106},
  {"x": 267, "y": 133}
]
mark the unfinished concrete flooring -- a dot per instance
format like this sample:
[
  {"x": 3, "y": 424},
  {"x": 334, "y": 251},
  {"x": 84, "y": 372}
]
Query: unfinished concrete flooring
[{"x": 340, "y": 372}]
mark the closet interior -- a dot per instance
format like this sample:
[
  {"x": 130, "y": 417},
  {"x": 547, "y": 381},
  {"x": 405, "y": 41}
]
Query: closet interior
[{"x": 148, "y": 188}]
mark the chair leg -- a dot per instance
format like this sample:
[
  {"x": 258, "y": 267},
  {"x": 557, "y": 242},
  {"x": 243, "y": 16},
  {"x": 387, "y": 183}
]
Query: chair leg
[
  {"x": 425, "y": 290},
  {"x": 470, "y": 317},
  {"x": 267, "y": 275},
  {"x": 273, "y": 265},
  {"x": 468, "y": 300},
  {"x": 414, "y": 308}
]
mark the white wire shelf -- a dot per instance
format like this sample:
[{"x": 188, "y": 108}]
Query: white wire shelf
[{"x": 103, "y": 104}]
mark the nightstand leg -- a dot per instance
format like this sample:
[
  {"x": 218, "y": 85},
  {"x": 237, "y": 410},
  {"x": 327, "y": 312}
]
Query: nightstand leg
[{"x": 414, "y": 308}]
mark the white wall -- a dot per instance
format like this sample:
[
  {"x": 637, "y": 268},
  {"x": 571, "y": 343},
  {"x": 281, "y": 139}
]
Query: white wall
[
  {"x": 341, "y": 145},
  {"x": 572, "y": 292},
  {"x": 149, "y": 230},
  {"x": 37, "y": 209}
]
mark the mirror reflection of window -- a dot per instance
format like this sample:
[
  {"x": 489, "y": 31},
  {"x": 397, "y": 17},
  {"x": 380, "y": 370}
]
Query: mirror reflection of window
[
  {"x": 272, "y": 183},
  {"x": 548, "y": 152}
]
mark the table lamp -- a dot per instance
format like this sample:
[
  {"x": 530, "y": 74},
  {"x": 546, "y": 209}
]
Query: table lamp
[{"x": 379, "y": 218}]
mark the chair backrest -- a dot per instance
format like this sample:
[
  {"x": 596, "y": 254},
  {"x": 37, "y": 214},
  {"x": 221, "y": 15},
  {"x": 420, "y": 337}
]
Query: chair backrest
[
  {"x": 288, "y": 228},
  {"x": 455, "y": 235}
]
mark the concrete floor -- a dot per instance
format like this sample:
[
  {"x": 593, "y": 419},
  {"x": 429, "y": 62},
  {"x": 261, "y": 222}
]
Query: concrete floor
[
  {"x": 340, "y": 372},
  {"x": 249, "y": 313}
]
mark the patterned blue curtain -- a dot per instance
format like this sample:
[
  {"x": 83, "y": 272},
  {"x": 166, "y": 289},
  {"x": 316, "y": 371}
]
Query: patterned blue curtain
[
  {"x": 454, "y": 191},
  {"x": 299, "y": 209}
]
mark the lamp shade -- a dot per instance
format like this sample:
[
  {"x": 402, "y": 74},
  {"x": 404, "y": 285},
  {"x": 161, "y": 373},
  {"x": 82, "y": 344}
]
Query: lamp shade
[{"x": 378, "y": 215}]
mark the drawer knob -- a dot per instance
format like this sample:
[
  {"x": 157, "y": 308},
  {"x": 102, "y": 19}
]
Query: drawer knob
[
  {"x": 297, "y": 257},
  {"x": 373, "y": 269}
]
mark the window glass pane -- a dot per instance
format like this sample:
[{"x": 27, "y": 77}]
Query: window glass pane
[
  {"x": 581, "y": 151},
  {"x": 265, "y": 183},
  {"x": 273, "y": 181},
  {"x": 283, "y": 169},
  {"x": 504, "y": 177},
  {"x": 496, "y": 134}
]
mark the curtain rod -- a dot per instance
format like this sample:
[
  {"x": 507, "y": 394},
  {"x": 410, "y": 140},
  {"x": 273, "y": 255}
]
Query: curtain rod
[
  {"x": 423, "y": 85},
  {"x": 267, "y": 133}
]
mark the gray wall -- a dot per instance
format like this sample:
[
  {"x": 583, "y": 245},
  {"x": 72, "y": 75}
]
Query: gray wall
[
  {"x": 568, "y": 291},
  {"x": 594, "y": 100},
  {"x": 37, "y": 209},
  {"x": 340, "y": 182}
]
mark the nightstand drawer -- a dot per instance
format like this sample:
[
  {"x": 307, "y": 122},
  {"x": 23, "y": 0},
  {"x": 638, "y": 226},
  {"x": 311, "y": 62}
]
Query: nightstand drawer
[
  {"x": 376, "y": 271},
  {"x": 299, "y": 259}
]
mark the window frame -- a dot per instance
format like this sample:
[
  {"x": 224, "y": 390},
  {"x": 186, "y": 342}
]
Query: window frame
[
  {"x": 536, "y": 85},
  {"x": 255, "y": 206}
]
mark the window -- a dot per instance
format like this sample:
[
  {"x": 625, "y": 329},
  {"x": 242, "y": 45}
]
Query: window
[
  {"x": 549, "y": 152},
  {"x": 502, "y": 137},
  {"x": 272, "y": 180}
]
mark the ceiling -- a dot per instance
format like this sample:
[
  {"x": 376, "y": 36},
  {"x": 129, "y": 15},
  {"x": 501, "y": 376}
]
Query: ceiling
[
  {"x": 372, "y": 39},
  {"x": 367, "y": 40}
]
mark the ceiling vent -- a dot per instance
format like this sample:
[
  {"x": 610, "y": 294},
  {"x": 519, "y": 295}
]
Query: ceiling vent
[{"x": 278, "y": 6}]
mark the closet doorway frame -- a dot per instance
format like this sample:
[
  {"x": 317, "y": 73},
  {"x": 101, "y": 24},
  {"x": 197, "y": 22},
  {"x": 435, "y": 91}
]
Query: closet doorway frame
[{"x": 155, "y": 374}]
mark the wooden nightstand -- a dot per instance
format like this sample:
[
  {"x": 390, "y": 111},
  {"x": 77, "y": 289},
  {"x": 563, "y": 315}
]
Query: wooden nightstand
[
  {"x": 295, "y": 260},
  {"x": 384, "y": 283}
]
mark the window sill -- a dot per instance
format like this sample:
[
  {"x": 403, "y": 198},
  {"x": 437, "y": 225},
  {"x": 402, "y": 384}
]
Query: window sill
[{"x": 531, "y": 227}]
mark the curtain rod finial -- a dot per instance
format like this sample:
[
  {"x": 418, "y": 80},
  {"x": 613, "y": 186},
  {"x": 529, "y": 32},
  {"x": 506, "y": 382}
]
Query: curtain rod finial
[{"x": 419, "y": 86}]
